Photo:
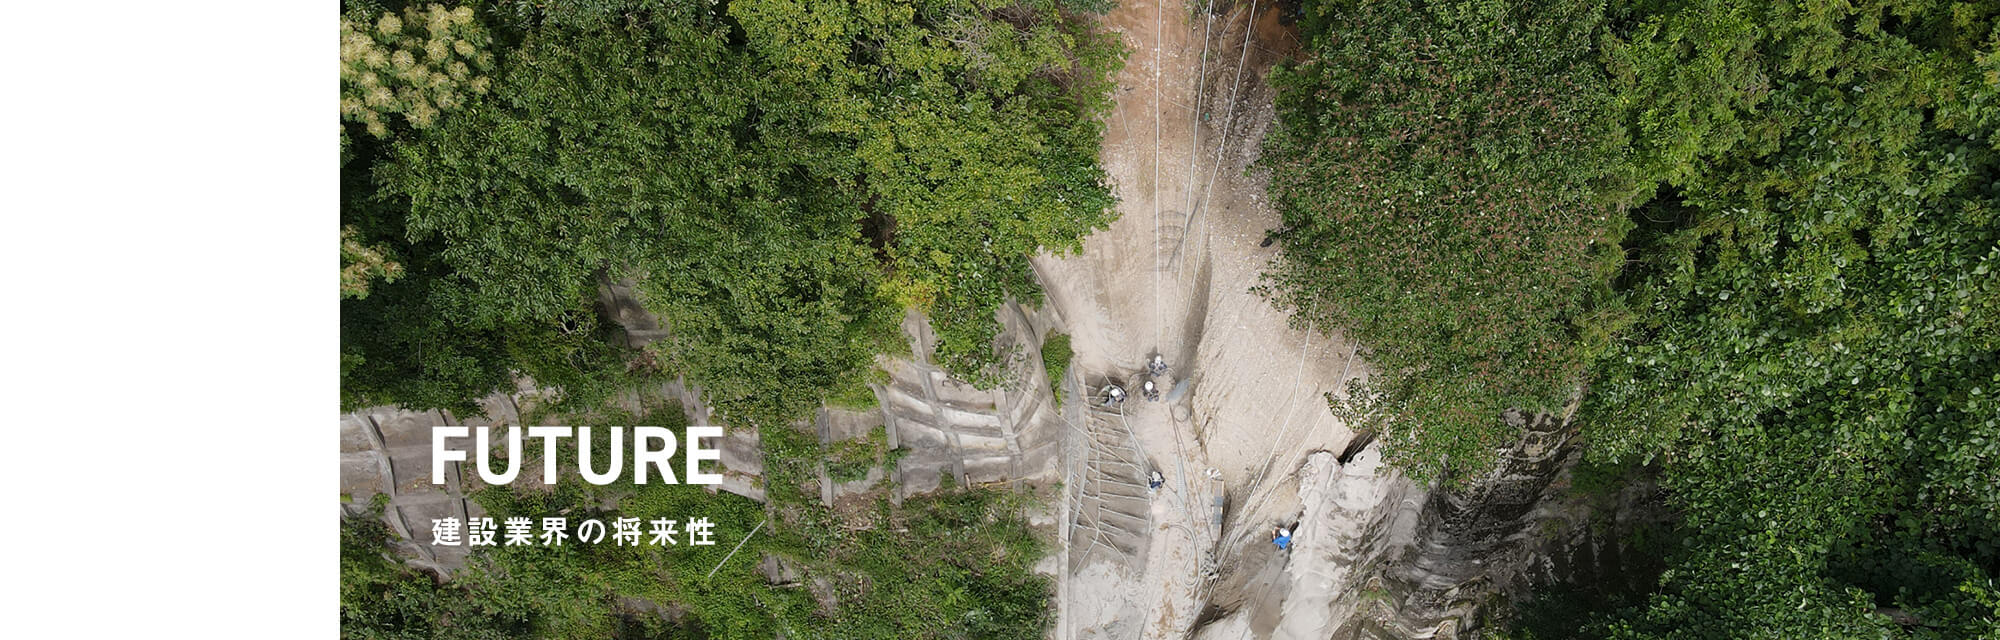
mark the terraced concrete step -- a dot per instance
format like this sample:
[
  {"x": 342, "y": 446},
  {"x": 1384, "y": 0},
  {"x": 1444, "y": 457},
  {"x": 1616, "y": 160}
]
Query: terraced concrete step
[{"x": 1113, "y": 515}]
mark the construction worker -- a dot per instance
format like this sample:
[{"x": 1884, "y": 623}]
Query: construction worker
[
  {"x": 1152, "y": 392},
  {"x": 1158, "y": 366},
  {"x": 1283, "y": 538},
  {"x": 1154, "y": 479},
  {"x": 1113, "y": 394}
]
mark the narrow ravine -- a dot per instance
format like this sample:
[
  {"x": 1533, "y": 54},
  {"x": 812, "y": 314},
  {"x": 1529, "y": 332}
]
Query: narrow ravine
[{"x": 1244, "y": 400}]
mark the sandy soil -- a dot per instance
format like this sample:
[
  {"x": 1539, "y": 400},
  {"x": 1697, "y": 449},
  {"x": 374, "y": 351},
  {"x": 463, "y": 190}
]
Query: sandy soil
[{"x": 1173, "y": 276}]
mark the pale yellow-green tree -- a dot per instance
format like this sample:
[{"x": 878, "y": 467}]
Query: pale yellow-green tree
[
  {"x": 361, "y": 264},
  {"x": 416, "y": 66}
]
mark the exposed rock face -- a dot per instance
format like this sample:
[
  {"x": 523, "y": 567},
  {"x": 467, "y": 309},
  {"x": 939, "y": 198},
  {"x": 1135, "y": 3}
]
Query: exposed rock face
[
  {"x": 1380, "y": 557},
  {"x": 1464, "y": 547}
]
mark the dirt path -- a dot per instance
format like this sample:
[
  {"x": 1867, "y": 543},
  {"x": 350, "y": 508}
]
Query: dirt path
[{"x": 1245, "y": 395}]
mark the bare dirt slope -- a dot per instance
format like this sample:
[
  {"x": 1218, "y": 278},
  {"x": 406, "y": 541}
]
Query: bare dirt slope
[{"x": 1246, "y": 393}]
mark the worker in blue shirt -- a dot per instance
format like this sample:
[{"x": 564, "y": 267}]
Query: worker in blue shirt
[{"x": 1283, "y": 538}]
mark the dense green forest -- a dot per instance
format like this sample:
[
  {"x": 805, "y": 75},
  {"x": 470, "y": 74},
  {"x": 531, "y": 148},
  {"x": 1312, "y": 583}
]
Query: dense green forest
[
  {"x": 780, "y": 180},
  {"x": 1753, "y": 242}
]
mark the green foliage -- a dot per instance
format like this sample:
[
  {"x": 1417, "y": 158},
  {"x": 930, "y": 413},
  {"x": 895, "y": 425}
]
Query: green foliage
[
  {"x": 1088, "y": 6},
  {"x": 850, "y": 460},
  {"x": 855, "y": 394},
  {"x": 1435, "y": 169},
  {"x": 1601, "y": 477},
  {"x": 975, "y": 136},
  {"x": 779, "y": 180},
  {"x": 964, "y": 568},
  {"x": 1801, "y": 333},
  {"x": 957, "y": 564},
  {"x": 740, "y": 243},
  {"x": 945, "y": 566},
  {"x": 1817, "y": 357},
  {"x": 380, "y": 598},
  {"x": 418, "y": 340},
  {"x": 573, "y": 590},
  {"x": 401, "y": 345},
  {"x": 1056, "y": 354}
]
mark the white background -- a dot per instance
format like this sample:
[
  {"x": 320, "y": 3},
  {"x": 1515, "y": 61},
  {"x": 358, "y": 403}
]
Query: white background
[{"x": 168, "y": 319}]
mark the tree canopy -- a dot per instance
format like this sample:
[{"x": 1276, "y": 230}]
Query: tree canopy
[
  {"x": 1437, "y": 173},
  {"x": 780, "y": 180},
  {"x": 1798, "y": 326}
]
